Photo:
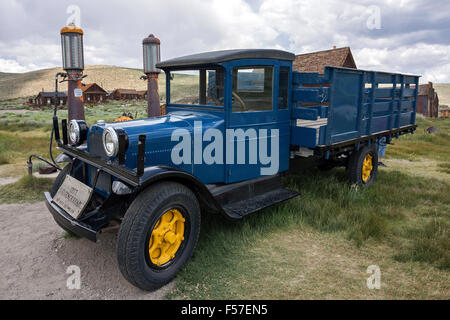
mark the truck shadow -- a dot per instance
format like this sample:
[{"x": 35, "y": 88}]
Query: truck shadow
[
  {"x": 100, "y": 274},
  {"x": 101, "y": 277}
]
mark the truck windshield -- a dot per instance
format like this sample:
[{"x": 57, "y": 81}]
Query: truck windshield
[{"x": 197, "y": 87}]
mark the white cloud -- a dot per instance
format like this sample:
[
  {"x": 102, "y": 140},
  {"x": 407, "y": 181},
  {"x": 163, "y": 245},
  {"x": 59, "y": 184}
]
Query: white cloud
[
  {"x": 25, "y": 55},
  {"x": 9, "y": 65},
  {"x": 430, "y": 61},
  {"x": 413, "y": 35}
]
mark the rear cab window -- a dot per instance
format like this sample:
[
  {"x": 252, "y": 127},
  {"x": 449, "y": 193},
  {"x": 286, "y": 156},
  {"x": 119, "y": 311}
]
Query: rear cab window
[{"x": 252, "y": 89}]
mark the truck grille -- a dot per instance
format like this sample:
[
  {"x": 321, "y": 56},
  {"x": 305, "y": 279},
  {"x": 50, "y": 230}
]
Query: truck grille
[
  {"x": 96, "y": 145},
  {"x": 96, "y": 149},
  {"x": 104, "y": 180}
]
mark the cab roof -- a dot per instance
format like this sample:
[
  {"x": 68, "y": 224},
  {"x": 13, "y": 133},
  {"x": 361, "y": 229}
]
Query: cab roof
[{"x": 213, "y": 57}]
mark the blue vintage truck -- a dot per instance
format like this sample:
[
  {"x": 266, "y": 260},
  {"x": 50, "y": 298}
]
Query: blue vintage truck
[{"x": 220, "y": 149}]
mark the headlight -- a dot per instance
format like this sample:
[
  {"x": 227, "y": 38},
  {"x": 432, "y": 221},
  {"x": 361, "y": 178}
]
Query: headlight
[
  {"x": 77, "y": 131},
  {"x": 110, "y": 142}
]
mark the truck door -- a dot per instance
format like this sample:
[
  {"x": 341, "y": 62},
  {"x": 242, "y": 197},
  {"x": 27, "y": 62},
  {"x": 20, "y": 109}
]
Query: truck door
[{"x": 257, "y": 135}]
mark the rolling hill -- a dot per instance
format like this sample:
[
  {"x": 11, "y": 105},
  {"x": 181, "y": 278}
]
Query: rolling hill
[
  {"x": 443, "y": 90},
  {"x": 17, "y": 85}
]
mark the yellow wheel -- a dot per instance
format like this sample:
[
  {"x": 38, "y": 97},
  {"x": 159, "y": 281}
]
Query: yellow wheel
[
  {"x": 166, "y": 237},
  {"x": 158, "y": 234},
  {"x": 367, "y": 168},
  {"x": 362, "y": 166}
]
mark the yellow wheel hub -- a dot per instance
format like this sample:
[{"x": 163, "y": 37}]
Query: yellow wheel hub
[
  {"x": 166, "y": 237},
  {"x": 367, "y": 167}
]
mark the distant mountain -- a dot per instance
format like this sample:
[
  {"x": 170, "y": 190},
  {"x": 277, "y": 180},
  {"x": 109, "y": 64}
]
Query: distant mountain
[
  {"x": 16, "y": 85},
  {"x": 5, "y": 74}
]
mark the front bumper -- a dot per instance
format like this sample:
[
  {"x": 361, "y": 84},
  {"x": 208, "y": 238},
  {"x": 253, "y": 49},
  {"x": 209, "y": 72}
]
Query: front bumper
[{"x": 64, "y": 220}]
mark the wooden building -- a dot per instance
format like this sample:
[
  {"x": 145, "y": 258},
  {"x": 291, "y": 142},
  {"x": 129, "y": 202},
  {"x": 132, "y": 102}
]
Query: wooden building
[
  {"x": 142, "y": 94},
  {"x": 445, "y": 112},
  {"x": 317, "y": 61},
  {"x": 45, "y": 98},
  {"x": 126, "y": 94},
  {"x": 428, "y": 101},
  {"x": 93, "y": 93}
]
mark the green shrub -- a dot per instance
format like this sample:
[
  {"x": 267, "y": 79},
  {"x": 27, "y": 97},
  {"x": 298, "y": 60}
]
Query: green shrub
[{"x": 27, "y": 189}]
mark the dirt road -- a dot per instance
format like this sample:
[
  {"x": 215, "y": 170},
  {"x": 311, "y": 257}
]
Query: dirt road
[{"x": 35, "y": 257}]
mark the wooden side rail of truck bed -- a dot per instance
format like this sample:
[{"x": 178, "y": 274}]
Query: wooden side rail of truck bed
[{"x": 348, "y": 106}]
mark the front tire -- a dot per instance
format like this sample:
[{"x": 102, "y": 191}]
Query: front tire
[
  {"x": 158, "y": 235},
  {"x": 363, "y": 166},
  {"x": 59, "y": 180}
]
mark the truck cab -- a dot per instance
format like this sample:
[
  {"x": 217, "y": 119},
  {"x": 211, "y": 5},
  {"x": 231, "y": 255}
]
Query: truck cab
[
  {"x": 235, "y": 119},
  {"x": 247, "y": 91}
]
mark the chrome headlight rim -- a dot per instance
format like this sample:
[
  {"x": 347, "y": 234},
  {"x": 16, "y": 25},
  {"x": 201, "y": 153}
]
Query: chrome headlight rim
[
  {"x": 74, "y": 132},
  {"x": 115, "y": 141}
]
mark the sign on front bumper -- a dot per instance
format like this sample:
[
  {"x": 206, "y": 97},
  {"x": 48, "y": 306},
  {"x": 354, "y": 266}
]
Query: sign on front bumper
[{"x": 72, "y": 196}]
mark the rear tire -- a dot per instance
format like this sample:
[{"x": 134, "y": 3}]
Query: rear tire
[
  {"x": 363, "y": 166},
  {"x": 137, "y": 234}
]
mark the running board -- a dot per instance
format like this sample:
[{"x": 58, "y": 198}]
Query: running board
[
  {"x": 242, "y": 198},
  {"x": 245, "y": 207}
]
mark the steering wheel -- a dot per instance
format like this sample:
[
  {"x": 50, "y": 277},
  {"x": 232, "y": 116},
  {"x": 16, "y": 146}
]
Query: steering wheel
[
  {"x": 217, "y": 102},
  {"x": 239, "y": 99},
  {"x": 235, "y": 95}
]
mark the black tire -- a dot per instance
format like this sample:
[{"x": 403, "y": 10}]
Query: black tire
[
  {"x": 138, "y": 224},
  {"x": 355, "y": 166},
  {"x": 58, "y": 182}
]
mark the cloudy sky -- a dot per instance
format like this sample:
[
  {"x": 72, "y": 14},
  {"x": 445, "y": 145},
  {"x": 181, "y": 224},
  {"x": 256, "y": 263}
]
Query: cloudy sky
[{"x": 409, "y": 36}]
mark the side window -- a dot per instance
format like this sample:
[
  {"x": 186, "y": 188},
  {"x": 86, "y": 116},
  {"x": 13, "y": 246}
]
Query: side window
[
  {"x": 252, "y": 89},
  {"x": 283, "y": 88},
  {"x": 197, "y": 87}
]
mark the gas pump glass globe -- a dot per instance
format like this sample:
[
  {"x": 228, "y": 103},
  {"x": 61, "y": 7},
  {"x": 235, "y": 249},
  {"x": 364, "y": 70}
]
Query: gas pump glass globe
[
  {"x": 72, "y": 48},
  {"x": 152, "y": 54}
]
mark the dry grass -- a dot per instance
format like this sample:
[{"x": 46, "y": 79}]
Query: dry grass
[
  {"x": 13, "y": 170},
  {"x": 27, "y": 189},
  {"x": 420, "y": 167},
  {"x": 15, "y": 147},
  {"x": 319, "y": 245},
  {"x": 302, "y": 263}
]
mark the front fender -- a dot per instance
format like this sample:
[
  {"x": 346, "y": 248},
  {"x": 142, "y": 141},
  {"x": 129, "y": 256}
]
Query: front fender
[
  {"x": 63, "y": 158},
  {"x": 156, "y": 174}
]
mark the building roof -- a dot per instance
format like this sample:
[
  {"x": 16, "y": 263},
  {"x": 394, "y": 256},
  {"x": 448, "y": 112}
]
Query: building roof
[
  {"x": 93, "y": 87},
  {"x": 47, "y": 94},
  {"x": 125, "y": 91},
  {"x": 225, "y": 55},
  {"x": 317, "y": 61},
  {"x": 425, "y": 89}
]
